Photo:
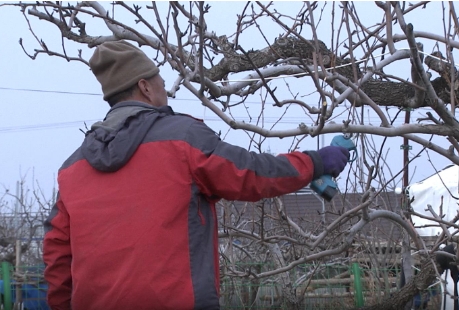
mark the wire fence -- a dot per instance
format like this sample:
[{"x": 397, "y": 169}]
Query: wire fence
[
  {"x": 22, "y": 287},
  {"x": 315, "y": 287}
]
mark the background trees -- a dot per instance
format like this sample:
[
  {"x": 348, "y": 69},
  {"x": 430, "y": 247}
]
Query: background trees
[
  {"x": 332, "y": 67},
  {"x": 22, "y": 212}
]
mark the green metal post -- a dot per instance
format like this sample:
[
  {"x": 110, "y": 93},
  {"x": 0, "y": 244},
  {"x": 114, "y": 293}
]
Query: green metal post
[
  {"x": 357, "y": 285},
  {"x": 1, "y": 299},
  {"x": 6, "y": 285}
]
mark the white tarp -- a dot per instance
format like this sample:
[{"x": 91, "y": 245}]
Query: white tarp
[{"x": 430, "y": 192}]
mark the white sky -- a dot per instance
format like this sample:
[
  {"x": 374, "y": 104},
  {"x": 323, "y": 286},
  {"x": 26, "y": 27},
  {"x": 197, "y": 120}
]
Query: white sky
[{"x": 39, "y": 130}]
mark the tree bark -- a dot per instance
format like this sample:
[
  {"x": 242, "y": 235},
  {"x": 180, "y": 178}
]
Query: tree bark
[
  {"x": 295, "y": 51},
  {"x": 418, "y": 283}
]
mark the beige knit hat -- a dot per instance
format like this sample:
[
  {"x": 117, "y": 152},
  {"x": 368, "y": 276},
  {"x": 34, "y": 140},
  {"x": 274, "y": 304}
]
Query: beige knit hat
[{"x": 119, "y": 65}]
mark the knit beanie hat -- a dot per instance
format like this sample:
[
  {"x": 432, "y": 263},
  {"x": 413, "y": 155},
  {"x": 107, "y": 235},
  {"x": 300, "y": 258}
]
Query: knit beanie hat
[{"x": 119, "y": 65}]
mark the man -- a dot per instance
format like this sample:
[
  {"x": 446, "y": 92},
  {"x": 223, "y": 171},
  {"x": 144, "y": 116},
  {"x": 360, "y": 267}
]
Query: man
[{"x": 134, "y": 226}]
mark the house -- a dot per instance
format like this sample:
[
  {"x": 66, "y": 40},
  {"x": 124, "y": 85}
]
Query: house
[{"x": 312, "y": 214}]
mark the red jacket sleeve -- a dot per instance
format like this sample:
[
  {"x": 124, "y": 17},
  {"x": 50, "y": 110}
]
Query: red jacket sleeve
[
  {"x": 231, "y": 172},
  {"x": 57, "y": 257}
]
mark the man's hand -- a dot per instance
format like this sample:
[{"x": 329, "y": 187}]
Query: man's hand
[{"x": 334, "y": 159}]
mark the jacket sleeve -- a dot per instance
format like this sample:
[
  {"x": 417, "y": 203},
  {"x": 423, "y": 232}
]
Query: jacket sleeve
[
  {"x": 57, "y": 257},
  {"x": 222, "y": 170}
]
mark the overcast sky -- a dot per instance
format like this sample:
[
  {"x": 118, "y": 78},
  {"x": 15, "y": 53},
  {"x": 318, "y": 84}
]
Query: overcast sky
[{"x": 45, "y": 102}]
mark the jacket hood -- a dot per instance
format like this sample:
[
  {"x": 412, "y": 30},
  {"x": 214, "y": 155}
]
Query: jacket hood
[{"x": 110, "y": 144}]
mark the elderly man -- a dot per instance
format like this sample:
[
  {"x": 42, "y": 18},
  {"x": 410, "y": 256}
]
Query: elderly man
[{"x": 134, "y": 225}]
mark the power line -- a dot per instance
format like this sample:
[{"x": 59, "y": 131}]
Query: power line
[
  {"x": 50, "y": 91},
  {"x": 97, "y": 94},
  {"x": 243, "y": 80},
  {"x": 266, "y": 119},
  {"x": 43, "y": 126},
  {"x": 80, "y": 123}
]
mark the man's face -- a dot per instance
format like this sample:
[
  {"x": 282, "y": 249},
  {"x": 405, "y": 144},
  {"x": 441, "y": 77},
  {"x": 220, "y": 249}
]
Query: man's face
[{"x": 159, "y": 93}]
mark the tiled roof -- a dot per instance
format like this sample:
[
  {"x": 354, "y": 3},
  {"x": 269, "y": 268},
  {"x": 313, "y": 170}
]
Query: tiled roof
[{"x": 311, "y": 213}]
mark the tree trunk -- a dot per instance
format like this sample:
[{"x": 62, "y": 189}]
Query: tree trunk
[
  {"x": 419, "y": 282},
  {"x": 289, "y": 299}
]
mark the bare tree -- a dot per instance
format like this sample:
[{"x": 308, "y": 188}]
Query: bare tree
[
  {"x": 342, "y": 65},
  {"x": 22, "y": 213}
]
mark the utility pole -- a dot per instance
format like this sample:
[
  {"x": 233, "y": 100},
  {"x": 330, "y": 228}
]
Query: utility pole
[
  {"x": 406, "y": 249},
  {"x": 405, "y": 155}
]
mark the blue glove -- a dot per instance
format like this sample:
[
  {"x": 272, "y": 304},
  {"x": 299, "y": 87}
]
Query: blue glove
[
  {"x": 334, "y": 159},
  {"x": 329, "y": 160}
]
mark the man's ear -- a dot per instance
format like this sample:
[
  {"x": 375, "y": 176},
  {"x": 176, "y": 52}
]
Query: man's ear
[{"x": 144, "y": 87}]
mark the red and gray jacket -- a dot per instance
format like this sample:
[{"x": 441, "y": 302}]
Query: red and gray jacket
[{"x": 134, "y": 226}]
